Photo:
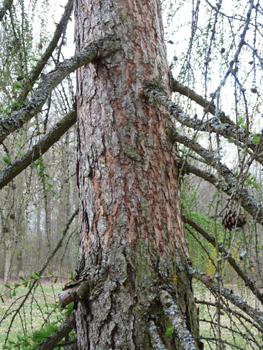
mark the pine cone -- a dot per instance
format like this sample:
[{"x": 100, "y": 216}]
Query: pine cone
[{"x": 231, "y": 220}]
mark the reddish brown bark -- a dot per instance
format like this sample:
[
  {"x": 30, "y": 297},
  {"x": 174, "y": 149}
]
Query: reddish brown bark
[
  {"x": 125, "y": 159},
  {"x": 130, "y": 216}
]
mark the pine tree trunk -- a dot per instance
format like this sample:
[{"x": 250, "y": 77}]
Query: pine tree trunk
[{"x": 133, "y": 247}]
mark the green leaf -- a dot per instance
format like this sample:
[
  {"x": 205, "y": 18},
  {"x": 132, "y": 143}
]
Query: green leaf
[
  {"x": 169, "y": 332},
  {"x": 55, "y": 280},
  {"x": 240, "y": 120},
  {"x": 6, "y": 160},
  {"x": 50, "y": 272},
  {"x": 37, "y": 274},
  {"x": 21, "y": 152},
  {"x": 230, "y": 140},
  {"x": 47, "y": 176},
  {"x": 22, "y": 278},
  {"x": 7, "y": 286},
  {"x": 32, "y": 277},
  {"x": 17, "y": 86},
  {"x": 16, "y": 285},
  {"x": 256, "y": 138}
]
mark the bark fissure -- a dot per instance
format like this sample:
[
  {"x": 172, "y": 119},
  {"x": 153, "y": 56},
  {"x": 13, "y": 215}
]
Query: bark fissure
[{"x": 130, "y": 222}]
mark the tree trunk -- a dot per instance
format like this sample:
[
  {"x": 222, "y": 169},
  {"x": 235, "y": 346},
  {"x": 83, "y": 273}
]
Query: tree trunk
[{"x": 132, "y": 236}]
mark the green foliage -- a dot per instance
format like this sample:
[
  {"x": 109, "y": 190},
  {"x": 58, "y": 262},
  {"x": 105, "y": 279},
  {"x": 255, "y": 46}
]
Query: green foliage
[
  {"x": 256, "y": 138},
  {"x": 169, "y": 333},
  {"x": 252, "y": 181},
  {"x": 43, "y": 175},
  {"x": 31, "y": 341},
  {"x": 6, "y": 160},
  {"x": 202, "y": 253},
  {"x": 17, "y": 339}
]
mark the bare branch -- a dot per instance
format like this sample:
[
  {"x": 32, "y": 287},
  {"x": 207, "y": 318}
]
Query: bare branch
[
  {"x": 228, "y": 130},
  {"x": 221, "y": 341},
  {"x": 51, "y": 256},
  {"x": 61, "y": 27},
  {"x": 232, "y": 187},
  {"x": 178, "y": 321},
  {"x": 211, "y": 239},
  {"x": 15, "y": 168},
  {"x": 33, "y": 283},
  {"x": 208, "y": 105},
  {"x": 16, "y": 119},
  {"x": 155, "y": 338},
  {"x": 229, "y": 295}
]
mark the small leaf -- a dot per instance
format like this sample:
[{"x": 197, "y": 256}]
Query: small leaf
[
  {"x": 50, "y": 272},
  {"x": 32, "y": 277},
  {"x": 230, "y": 140},
  {"x": 6, "y": 160},
  {"x": 256, "y": 138},
  {"x": 7, "y": 286},
  {"x": 21, "y": 152},
  {"x": 17, "y": 86},
  {"x": 16, "y": 285},
  {"x": 169, "y": 332},
  {"x": 55, "y": 280},
  {"x": 36, "y": 274},
  {"x": 22, "y": 278}
]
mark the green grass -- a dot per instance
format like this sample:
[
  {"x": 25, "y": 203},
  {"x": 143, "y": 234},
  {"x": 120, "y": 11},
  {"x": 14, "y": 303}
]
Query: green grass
[{"x": 39, "y": 308}]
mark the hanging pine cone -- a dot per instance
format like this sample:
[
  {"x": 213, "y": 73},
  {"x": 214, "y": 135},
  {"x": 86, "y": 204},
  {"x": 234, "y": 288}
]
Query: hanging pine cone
[{"x": 231, "y": 220}]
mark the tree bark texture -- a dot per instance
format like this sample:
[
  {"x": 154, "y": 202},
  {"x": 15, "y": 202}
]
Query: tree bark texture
[{"x": 132, "y": 233}]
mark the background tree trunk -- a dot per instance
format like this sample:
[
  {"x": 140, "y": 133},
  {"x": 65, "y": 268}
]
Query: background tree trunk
[{"x": 132, "y": 235}]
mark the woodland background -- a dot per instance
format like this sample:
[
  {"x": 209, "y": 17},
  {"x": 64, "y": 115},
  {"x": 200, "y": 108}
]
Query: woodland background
[{"x": 215, "y": 49}]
